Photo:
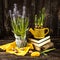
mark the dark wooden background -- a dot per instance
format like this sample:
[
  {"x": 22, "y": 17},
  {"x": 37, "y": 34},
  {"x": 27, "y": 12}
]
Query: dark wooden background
[{"x": 52, "y": 19}]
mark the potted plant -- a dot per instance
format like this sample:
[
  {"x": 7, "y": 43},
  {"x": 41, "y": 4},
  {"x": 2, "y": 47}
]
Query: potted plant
[
  {"x": 39, "y": 30},
  {"x": 39, "y": 20},
  {"x": 19, "y": 25}
]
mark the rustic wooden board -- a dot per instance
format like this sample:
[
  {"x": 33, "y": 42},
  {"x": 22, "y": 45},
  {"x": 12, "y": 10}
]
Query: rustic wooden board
[{"x": 54, "y": 55}]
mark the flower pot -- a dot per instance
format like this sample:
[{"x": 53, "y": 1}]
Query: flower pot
[
  {"x": 39, "y": 33},
  {"x": 20, "y": 42}
]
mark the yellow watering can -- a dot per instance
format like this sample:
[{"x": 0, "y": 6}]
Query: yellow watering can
[{"x": 39, "y": 32}]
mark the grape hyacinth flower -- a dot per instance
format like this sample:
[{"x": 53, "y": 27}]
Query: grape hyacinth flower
[{"x": 19, "y": 25}]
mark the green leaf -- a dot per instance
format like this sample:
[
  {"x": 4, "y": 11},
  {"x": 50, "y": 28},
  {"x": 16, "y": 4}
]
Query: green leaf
[
  {"x": 19, "y": 26},
  {"x": 39, "y": 20},
  {"x": 48, "y": 50}
]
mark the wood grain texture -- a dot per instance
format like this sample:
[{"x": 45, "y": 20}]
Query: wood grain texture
[{"x": 53, "y": 55}]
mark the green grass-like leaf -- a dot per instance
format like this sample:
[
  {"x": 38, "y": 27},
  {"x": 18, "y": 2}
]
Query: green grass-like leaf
[
  {"x": 48, "y": 50},
  {"x": 40, "y": 20},
  {"x": 19, "y": 26}
]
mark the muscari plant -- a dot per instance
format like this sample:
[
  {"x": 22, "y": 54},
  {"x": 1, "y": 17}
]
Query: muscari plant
[
  {"x": 19, "y": 26},
  {"x": 39, "y": 20},
  {"x": 19, "y": 22}
]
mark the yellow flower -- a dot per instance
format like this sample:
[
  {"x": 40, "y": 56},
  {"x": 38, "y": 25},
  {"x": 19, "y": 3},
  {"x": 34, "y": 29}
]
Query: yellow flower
[{"x": 35, "y": 54}]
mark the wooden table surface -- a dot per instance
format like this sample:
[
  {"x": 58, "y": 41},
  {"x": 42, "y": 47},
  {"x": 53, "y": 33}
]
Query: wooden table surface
[{"x": 54, "y": 55}]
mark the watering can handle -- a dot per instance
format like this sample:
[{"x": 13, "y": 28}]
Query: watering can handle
[{"x": 47, "y": 31}]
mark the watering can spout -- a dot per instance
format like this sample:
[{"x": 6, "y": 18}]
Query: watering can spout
[{"x": 32, "y": 31}]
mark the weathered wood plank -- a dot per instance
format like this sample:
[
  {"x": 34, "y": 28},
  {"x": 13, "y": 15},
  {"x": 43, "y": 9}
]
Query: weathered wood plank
[{"x": 53, "y": 55}]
